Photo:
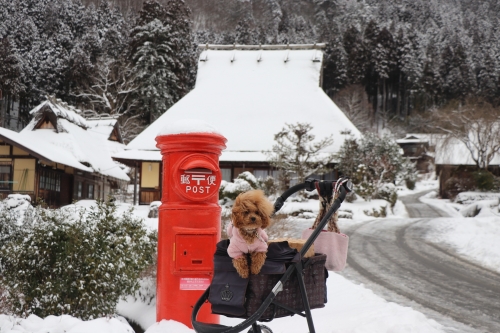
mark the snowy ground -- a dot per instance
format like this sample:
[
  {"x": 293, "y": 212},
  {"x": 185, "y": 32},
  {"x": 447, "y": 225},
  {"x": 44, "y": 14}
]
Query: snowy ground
[{"x": 351, "y": 308}]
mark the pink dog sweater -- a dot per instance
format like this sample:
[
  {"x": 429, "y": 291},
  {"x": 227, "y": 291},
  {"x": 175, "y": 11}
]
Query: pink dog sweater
[{"x": 238, "y": 246}]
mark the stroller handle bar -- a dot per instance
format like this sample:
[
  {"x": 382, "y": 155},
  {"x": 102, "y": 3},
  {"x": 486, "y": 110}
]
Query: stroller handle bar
[{"x": 343, "y": 186}]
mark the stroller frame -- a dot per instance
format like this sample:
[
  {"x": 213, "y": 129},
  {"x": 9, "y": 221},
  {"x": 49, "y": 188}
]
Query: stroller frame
[{"x": 325, "y": 188}]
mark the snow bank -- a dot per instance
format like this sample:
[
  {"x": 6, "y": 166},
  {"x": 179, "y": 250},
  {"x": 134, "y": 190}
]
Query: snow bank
[
  {"x": 476, "y": 239},
  {"x": 64, "y": 323},
  {"x": 470, "y": 197},
  {"x": 352, "y": 308},
  {"x": 168, "y": 326}
]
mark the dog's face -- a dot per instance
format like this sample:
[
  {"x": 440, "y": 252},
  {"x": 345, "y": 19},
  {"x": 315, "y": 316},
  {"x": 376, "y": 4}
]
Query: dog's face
[{"x": 252, "y": 210}]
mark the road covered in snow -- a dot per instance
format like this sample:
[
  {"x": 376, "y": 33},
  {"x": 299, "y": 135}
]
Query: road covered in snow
[{"x": 398, "y": 261}]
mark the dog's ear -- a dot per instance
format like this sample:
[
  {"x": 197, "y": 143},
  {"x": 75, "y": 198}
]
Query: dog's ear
[
  {"x": 236, "y": 212},
  {"x": 266, "y": 209}
]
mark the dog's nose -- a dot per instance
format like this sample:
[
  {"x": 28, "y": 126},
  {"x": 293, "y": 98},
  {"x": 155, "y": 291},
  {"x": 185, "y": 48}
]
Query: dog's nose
[{"x": 253, "y": 218}]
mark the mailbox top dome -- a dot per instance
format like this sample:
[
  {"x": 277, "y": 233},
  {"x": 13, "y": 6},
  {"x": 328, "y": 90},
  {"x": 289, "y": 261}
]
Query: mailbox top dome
[{"x": 184, "y": 126}]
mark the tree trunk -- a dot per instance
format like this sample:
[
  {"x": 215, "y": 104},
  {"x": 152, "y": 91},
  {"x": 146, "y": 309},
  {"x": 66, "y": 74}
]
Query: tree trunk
[{"x": 398, "y": 97}]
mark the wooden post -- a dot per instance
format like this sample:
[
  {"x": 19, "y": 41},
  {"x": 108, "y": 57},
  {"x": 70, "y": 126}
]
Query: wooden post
[{"x": 135, "y": 182}]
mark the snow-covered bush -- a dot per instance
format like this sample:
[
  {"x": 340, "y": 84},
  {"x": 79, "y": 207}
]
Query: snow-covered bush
[
  {"x": 364, "y": 187},
  {"x": 485, "y": 180},
  {"x": 245, "y": 181},
  {"x": 408, "y": 174},
  {"x": 462, "y": 181},
  {"x": 388, "y": 192},
  {"x": 61, "y": 263},
  {"x": 377, "y": 213},
  {"x": 373, "y": 161},
  {"x": 269, "y": 185},
  {"x": 21, "y": 201},
  {"x": 153, "y": 209}
]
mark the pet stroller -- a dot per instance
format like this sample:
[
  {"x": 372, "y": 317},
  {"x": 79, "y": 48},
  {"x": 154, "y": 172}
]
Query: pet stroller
[{"x": 303, "y": 280}]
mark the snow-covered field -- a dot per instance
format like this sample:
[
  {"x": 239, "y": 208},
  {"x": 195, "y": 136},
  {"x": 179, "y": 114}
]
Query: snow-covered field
[{"x": 352, "y": 308}]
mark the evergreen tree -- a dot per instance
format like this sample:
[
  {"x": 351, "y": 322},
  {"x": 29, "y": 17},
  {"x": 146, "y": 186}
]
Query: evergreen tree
[
  {"x": 162, "y": 55},
  {"x": 151, "y": 68},
  {"x": 244, "y": 33},
  {"x": 296, "y": 154},
  {"x": 10, "y": 71},
  {"x": 356, "y": 55}
]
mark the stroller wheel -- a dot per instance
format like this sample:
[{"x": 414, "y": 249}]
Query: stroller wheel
[{"x": 263, "y": 329}]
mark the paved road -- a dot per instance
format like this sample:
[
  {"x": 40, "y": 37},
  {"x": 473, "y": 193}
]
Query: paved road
[{"x": 391, "y": 257}]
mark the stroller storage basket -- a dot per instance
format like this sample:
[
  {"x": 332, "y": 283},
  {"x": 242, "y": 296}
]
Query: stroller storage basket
[{"x": 261, "y": 285}]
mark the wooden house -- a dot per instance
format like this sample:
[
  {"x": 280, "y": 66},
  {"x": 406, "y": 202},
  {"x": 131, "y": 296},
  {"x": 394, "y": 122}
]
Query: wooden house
[
  {"x": 420, "y": 149},
  {"x": 248, "y": 93},
  {"x": 455, "y": 165},
  {"x": 61, "y": 156}
]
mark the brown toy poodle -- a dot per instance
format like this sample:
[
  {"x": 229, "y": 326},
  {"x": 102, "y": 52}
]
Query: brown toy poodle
[{"x": 251, "y": 214}]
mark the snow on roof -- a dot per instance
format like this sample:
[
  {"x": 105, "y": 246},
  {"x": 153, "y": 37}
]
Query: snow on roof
[
  {"x": 74, "y": 146},
  {"x": 61, "y": 110},
  {"x": 249, "y": 95},
  {"x": 454, "y": 152},
  {"x": 416, "y": 138},
  {"x": 102, "y": 126},
  {"x": 50, "y": 153},
  {"x": 138, "y": 155}
]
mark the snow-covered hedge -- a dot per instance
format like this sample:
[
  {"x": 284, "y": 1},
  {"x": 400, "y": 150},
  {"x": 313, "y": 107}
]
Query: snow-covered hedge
[
  {"x": 54, "y": 262},
  {"x": 246, "y": 181}
]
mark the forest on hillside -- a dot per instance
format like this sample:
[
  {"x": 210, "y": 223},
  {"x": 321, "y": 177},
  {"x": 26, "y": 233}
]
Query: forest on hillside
[{"x": 387, "y": 62}]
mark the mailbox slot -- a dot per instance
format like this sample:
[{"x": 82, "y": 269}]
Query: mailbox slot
[
  {"x": 193, "y": 250},
  {"x": 202, "y": 171}
]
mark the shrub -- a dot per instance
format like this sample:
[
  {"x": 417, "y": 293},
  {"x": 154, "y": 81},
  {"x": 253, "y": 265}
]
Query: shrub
[
  {"x": 269, "y": 185},
  {"x": 389, "y": 193},
  {"x": 485, "y": 181},
  {"x": 79, "y": 265},
  {"x": 377, "y": 213},
  {"x": 245, "y": 181},
  {"x": 372, "y": 161},
  {"x": 458, "y": 183},
  {"x": 408, "y": 174},
  {"x": 410, "y": 184}
]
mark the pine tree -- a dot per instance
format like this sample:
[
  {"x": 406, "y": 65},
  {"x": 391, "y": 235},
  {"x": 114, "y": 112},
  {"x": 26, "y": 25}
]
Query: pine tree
[
  {"x": 296, "y": 154},
  {"x": 356, "y": 55},
  {"x": 162, "y": 56},
  {"x": 244, "y": 33},
  {"x": 10, "y": 71}
]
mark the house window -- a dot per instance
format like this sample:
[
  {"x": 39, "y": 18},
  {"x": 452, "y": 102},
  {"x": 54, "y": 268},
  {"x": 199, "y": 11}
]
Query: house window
[
  {"x": 226, "y": 174},
  {"x": 91, "y": 191},
  {"x": 50, "y": 180},
  {"x": 5, "y": 172},
  {"x": 79, "y": 190},
  {"x": 260, "y": 174}
]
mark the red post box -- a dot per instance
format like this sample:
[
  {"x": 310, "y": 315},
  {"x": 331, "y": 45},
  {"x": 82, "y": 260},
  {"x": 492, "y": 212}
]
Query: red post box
[{"x": 189, "y": 221}]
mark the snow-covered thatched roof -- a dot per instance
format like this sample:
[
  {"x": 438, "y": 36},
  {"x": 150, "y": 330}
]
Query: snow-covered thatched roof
[
  {"x": 69, "y": 140},
  {"x": 249, "y": 95},
  {"x": 61, "y": 110},
  {"x": 451, "y": 151}
]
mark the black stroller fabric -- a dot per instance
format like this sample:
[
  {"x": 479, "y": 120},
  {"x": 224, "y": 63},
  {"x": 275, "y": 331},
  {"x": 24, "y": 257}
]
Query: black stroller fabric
[{"x": 234, "y": 296}]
